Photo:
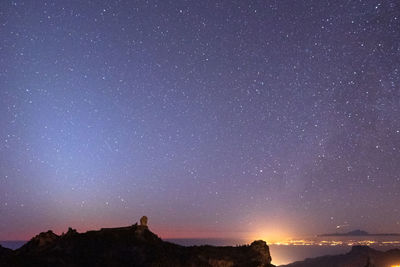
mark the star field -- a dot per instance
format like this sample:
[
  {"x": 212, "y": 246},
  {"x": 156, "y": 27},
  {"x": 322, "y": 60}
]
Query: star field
[{"x": 213, "y": 118}]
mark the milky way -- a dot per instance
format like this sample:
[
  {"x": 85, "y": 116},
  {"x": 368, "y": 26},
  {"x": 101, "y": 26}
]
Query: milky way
[{"x": 213, "y": 118}]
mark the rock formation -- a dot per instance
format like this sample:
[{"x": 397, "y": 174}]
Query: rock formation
[
  {"x": 137, "y": 246},
  {"x": 134, "y": 245},
  {"x": 143, "y": 221},
  {"x": 39, "y": 243}
]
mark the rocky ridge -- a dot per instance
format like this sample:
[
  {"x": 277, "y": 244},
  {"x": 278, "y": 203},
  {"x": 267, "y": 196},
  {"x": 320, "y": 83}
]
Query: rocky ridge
[{"x": 134, "y": 245}]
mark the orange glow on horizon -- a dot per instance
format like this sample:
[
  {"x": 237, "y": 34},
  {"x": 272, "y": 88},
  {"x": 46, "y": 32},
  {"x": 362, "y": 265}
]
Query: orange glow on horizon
[{"x": 272, "y": 237}]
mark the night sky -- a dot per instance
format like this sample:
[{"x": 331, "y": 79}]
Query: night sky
[{"x": 262, "y": 119}]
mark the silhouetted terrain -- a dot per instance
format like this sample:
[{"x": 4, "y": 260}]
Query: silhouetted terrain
[
  {"x": 359, "y": 256},
  {"x": 137, "y": 246},
  {"x": 4, "y": 252},
  {"x": 359, "y": 233},
  {"x": 128, "y": 246}
]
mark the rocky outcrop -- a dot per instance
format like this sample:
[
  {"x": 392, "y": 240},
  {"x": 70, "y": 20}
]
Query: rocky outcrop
[
  {"x": 134, "y": 245},
  {"x": 256, "y": 254},
  {"x": 143, "y": 221},
  {"x": 359, "y": 256},
  {"x": 261, "y": 250},
  {"x": 41, "y": 242}
]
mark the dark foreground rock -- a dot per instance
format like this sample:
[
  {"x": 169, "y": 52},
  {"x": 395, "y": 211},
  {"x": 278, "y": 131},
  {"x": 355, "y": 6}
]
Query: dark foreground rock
[
  {"x": 128, "y": 246},
  {"x": 4, "y": 252},
  {"x": 359, "y": 256}
]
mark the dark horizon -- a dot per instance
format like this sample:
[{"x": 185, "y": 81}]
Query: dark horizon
[{"x": 282, "y": 253}]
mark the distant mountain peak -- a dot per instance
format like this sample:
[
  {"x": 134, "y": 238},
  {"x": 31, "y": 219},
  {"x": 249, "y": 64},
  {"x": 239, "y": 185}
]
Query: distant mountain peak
[{"x": 359, "y": 232}]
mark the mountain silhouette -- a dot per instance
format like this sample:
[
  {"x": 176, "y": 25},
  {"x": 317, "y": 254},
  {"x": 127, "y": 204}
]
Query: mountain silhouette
[
  {"x": 137, "y": 246},
  {"x": 134, "y": 245},
  {"x": 359, "y": 256},
  {"x": 359, "y": 233}
]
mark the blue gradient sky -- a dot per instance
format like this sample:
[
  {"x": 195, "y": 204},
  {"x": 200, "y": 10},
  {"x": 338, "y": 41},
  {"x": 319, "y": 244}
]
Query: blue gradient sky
[{"x": 213, "y": 118}]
